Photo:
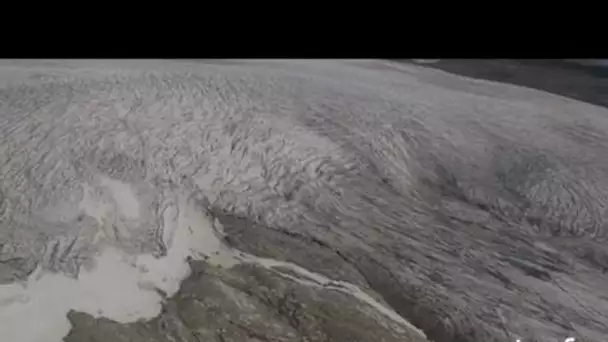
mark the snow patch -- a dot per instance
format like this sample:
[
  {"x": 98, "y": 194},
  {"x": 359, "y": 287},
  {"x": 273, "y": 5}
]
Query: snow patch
[{"x": 121, "y": 287}]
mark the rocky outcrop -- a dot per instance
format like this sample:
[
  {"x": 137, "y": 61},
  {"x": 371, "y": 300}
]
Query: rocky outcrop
[{"x": 248, "y": 304}]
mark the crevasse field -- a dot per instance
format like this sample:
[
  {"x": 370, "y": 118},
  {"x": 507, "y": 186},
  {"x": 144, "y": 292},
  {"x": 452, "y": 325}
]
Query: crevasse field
[{"x": 296, "y": 200}]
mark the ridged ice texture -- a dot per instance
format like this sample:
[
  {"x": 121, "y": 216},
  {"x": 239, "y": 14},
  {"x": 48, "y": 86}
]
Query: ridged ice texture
[{"x": 476, "y": 210}]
